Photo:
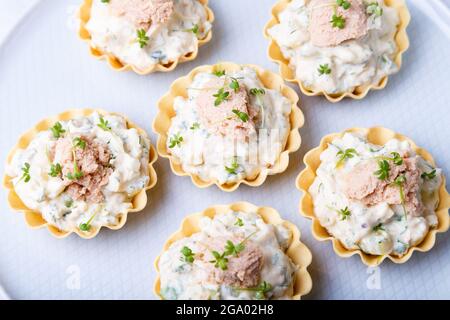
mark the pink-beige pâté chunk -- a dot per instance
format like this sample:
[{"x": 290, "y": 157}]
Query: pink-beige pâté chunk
[
  {"x": 362, "y": 184},
  {"x": 92, "y": 161},
  {"x": 243, "y": 270},
  {"x": 143, "y": 12},
  {"x": 220, "y": 119},
  {"x": 321, "y": 30}
]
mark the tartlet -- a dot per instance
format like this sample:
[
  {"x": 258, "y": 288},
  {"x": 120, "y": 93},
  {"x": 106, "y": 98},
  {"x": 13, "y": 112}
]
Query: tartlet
[
  {"x": 359, "y": 92},
  {"x": 116, "y": 64},
  {"x": 179, "y": 90},
  {"x": 34, "y": 219},
  {"x": 298, "y": 253},
  {"x": 376, "y": 136}
]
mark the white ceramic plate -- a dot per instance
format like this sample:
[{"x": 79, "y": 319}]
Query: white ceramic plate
[{"x": 45, "y": 69}]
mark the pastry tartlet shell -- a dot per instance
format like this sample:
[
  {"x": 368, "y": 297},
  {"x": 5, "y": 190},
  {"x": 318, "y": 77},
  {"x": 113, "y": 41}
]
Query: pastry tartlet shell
[
  {"x": 299, "y": 254},
  {"x": 275, "y": 54},
  {"x": 34, "y": 219},
  {"x": 379, "y": 136},
  {"x": 116, "y": 64},
  {"x": 270, "y": 80}
]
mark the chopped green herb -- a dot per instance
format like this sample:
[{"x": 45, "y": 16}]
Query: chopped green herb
[
  {"x": 338, "y": 21},
  {"x": 400, "y": 182},
  {"x": 345, "y": 213},
  {"x": 26, "y": 173},
  {"x": 195, "y": 126},
  {"x": 105, "y": 1},
  {"x": 79, "y": 143},
  {"x": 175, "y": 140},
  {"x": 220, "y": 260},
  {"x": 324, "y": 69},
  {"x": 142, "y": 38},
  {"x": 384, "y": 168},
  {"x": 221, "y": 96},
  {"x": 239, "y": 222},
  {"x": 430, "y": 175},
  {"x": 68, "y": 203},
  {"x": 188, "y": 255},
  {"x": 57, "y": 130},
  {"x": 344, "y": 155},
  {"x": 55, "y": 170},
  {"x": 241, "y": 115},
  {"x": 378, "y": 227},
  {"x": 104, "y": 124}
]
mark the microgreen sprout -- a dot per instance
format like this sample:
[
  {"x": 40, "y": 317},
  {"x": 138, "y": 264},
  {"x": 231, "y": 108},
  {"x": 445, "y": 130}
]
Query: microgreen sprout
[
  {"x": 25, "y": 173},
  {"x": 239, "y": 222},
  {"x": 241, "y": 115},
  {"x": 221, "y": 96},
  {"x": 345, "y": 213},
  {"x": 343, "y": 155},
  {"x": 383, "y": 170},
  {"x": 429, "y": 175},
  {"x": 219, "y": 73},
  {"x": 234, "y": 166},
  {"x": 142, "y": 38},
  {"x": 55, "y": 170},
  {"x": 188, "y": 255},
  {"x": 378, "y": 227},
  {"x": 375, "y": 8},
  {"x": 57, "y": 130},
  {"x": 79, "y": 143},
  {"x": 220, "y": 260},
  {"x": 76, "y": 174},
  {"x": 175, "y": 140},
  {"x": 104, "y": 124},
  {"x": 337, "y": 21},
  {"x": 324, "y": 69},
  {"x": 235, "y": 85}
]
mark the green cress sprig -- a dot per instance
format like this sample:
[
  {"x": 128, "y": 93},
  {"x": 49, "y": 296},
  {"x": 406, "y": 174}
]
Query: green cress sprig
[
  {"x": 87, "y": 226},
  {"x": 429, "y": 175},
  {"x": 220, "y": 259},
  {"x": 55, "y": 170},
  {"x": 343, "y": 155},
  {"x": 234, "y": 166},
  {"x": 104, "y": 124},
  {"x": 188, "y": 255},
  {"x": 175, "y": 141},
  {"x": 26, "y": 177},
  {"x": 324, "y": 69},
  {"x": 57, "y": 130},
  {"x": 142, "y": 38}
]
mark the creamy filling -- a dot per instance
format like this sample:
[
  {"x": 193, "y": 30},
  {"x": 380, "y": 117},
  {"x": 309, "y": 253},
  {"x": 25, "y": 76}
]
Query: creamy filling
[
  {"x": 144, "y": 33},
  {"x": 82, "y": 173},
  {"x": 335, "y": 50},
  {"x": 234, "y": 256},
  {"x": 230, "y": 127},
  {"x": 380, "y": 199}
]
